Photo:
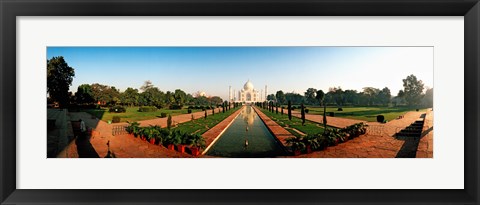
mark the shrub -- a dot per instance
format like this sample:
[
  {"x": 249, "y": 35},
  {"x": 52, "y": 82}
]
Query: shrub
[
  {"x": 162, "y": 115},
  {"x": 115, "y": 119},
  {"x": 175, "y": 107},
  {"x": 189, "y": 111},
  {"x": 306, "y": 110},
  {"x": 133, "y": 128},
  {"x": 169, "y": 122},
  {"x": 380, "y": 118},
  {"x": 117, "y": 109},
  {"x": 331, "y": 114},
  {"x": 339, "y": 109},
  {"x": 147, "y": 109},
  {"x": 355, "y": 130}
]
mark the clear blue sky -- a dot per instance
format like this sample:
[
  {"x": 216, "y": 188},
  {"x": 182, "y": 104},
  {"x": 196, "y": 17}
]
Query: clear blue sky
[{"x": 214, "y": 69}]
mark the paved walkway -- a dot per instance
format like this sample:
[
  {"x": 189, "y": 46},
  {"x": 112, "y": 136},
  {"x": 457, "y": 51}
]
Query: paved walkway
[
  {"x": 177, "y": 119},
  {"x": 121, "y": 145},
  {"x": 331, "y": 121},
  {"x": 377, "y": 143},
  {"x": 380, "y": 143},
  {"x": 425, "y": 146}
]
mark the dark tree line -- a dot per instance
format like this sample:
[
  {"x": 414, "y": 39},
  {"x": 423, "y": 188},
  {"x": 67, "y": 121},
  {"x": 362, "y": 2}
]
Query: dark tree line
[{"x": 412, "y": 95}]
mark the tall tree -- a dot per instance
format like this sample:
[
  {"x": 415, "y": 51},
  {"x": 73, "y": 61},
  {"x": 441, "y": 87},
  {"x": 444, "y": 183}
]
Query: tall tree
[
  {"x": 429, "y": 97},
  {"x": 146, "y": 85},
  {"x": 180, "y": 97},
  {"x": 320, "y": 96},
  {"x": 371, "y": 94},
  {"x": 59, "y": 79},
  {"x": 280, "y": 97},
  {"x": 130, "y": 97},
  {"x": 310, "y": 95},
  {"x": 271, "y": 97},
  {"x": 303, "y": 114},
  {"x": 413, "y": 90},
  {"x": 384, "y": 96},
  {"x": 289, "y": 110},
  {"x": 84, "y": 94}
]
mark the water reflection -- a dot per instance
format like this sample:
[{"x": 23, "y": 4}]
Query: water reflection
[
  {"x": 248, "y": 115},
  {"x": 247, "y": 136}
]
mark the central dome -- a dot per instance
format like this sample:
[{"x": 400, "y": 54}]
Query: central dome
[{"x": 248, "y": 85}]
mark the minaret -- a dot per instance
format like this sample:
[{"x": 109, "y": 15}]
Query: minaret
[
  {"x": 265, "y": 92},
  {"x": 230, "y": 93},
  {"x": 261, "y": 96}
]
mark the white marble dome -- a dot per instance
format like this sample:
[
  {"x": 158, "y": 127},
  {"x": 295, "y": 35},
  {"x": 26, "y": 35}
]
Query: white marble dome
[{"x": 248, "y": 85}]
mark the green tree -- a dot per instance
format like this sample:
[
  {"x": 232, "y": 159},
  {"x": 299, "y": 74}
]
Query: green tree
[
  {"x": 153, "y": 97},
  {"x": 429, "y": 97},
  {"x": 384, "y": 96},
  {"x": 371, "y": 94},
  {"x": 271, "y": 97},
  {"x": 169, "y": 122},
  {"x": 303, "y": 114},
  {"x": 320, "y": 96},
  {"x": 130, "y": 97},
  {"x": 215, "y": 100},
  {"x": 310, "y": 95},
  {"x": 413, "y": 90},
  {"x": 84, "y": 94},
  {"x": 289, "y": 110},
  {"x": 59, "y": 79},
  {"x": 146, "y": 85},
  {"x": 280, "y": 97},
  {"x": 180, "y": 97}
]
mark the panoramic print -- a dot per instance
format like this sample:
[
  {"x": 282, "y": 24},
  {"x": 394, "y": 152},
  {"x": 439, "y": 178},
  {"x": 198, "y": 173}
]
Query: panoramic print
[{"x": 239, "y": 102}]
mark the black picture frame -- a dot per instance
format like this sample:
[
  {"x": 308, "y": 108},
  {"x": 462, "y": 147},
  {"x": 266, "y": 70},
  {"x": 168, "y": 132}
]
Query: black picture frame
[{"x": 10, "y": 9}]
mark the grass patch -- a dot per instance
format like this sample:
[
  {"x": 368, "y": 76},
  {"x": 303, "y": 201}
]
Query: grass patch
[
  {"x": 201, "y": 125},
  {"x": 132, "y": 114},
  {"x": 309, "y": 128},
  {"x": 365, "y": 113}
]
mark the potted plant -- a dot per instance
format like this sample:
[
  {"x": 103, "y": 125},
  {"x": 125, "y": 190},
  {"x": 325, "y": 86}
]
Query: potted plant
[
  {"x": 197, "y": 143},
  {"x": 133, "y": 128},
  {"x": 311, "y": 143},
  {"x": 332, "y": 137},
  {"x": 183, "y": 142},
  {"x": 153, "y": 133},
  {"x": 297, "y": 144}
]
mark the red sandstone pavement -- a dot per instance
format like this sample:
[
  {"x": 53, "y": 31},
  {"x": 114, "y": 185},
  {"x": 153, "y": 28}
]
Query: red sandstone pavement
[
  {"x": 278, "y": 131},
  {"x": 425, "y": 146},
  {"x": 122, "y": 145},
  {"x": 212, "y": 134},
  {"x": 378, "y": 142}
]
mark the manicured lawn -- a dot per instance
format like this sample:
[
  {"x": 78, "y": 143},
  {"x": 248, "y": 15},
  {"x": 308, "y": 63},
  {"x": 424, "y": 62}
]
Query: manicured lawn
[
  {"x": 364, "y": 113},
  {"x": 132, "y": 114},
  {"x": 282, "y": 120},
  {"x": 201, "y": 125}
]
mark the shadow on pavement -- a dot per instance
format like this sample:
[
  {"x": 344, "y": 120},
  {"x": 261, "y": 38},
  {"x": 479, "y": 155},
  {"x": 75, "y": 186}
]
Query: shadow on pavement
[{"x": 84, "y": 148}]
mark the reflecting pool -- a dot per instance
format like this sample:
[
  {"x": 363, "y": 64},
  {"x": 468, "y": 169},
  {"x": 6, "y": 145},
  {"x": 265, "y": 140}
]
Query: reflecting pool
[{"x": 247, "y": 136}]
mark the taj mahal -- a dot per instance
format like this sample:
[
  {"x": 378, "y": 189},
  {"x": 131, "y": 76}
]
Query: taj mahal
[{"x": 248, "y": 94}]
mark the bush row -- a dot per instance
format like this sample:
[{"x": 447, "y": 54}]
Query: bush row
[
  {"x": 167, "y": 137},
  {"x": 330, "y": 137},
  {"x": 147, "y": 109},
  {"x": 117, "y": 109}
]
